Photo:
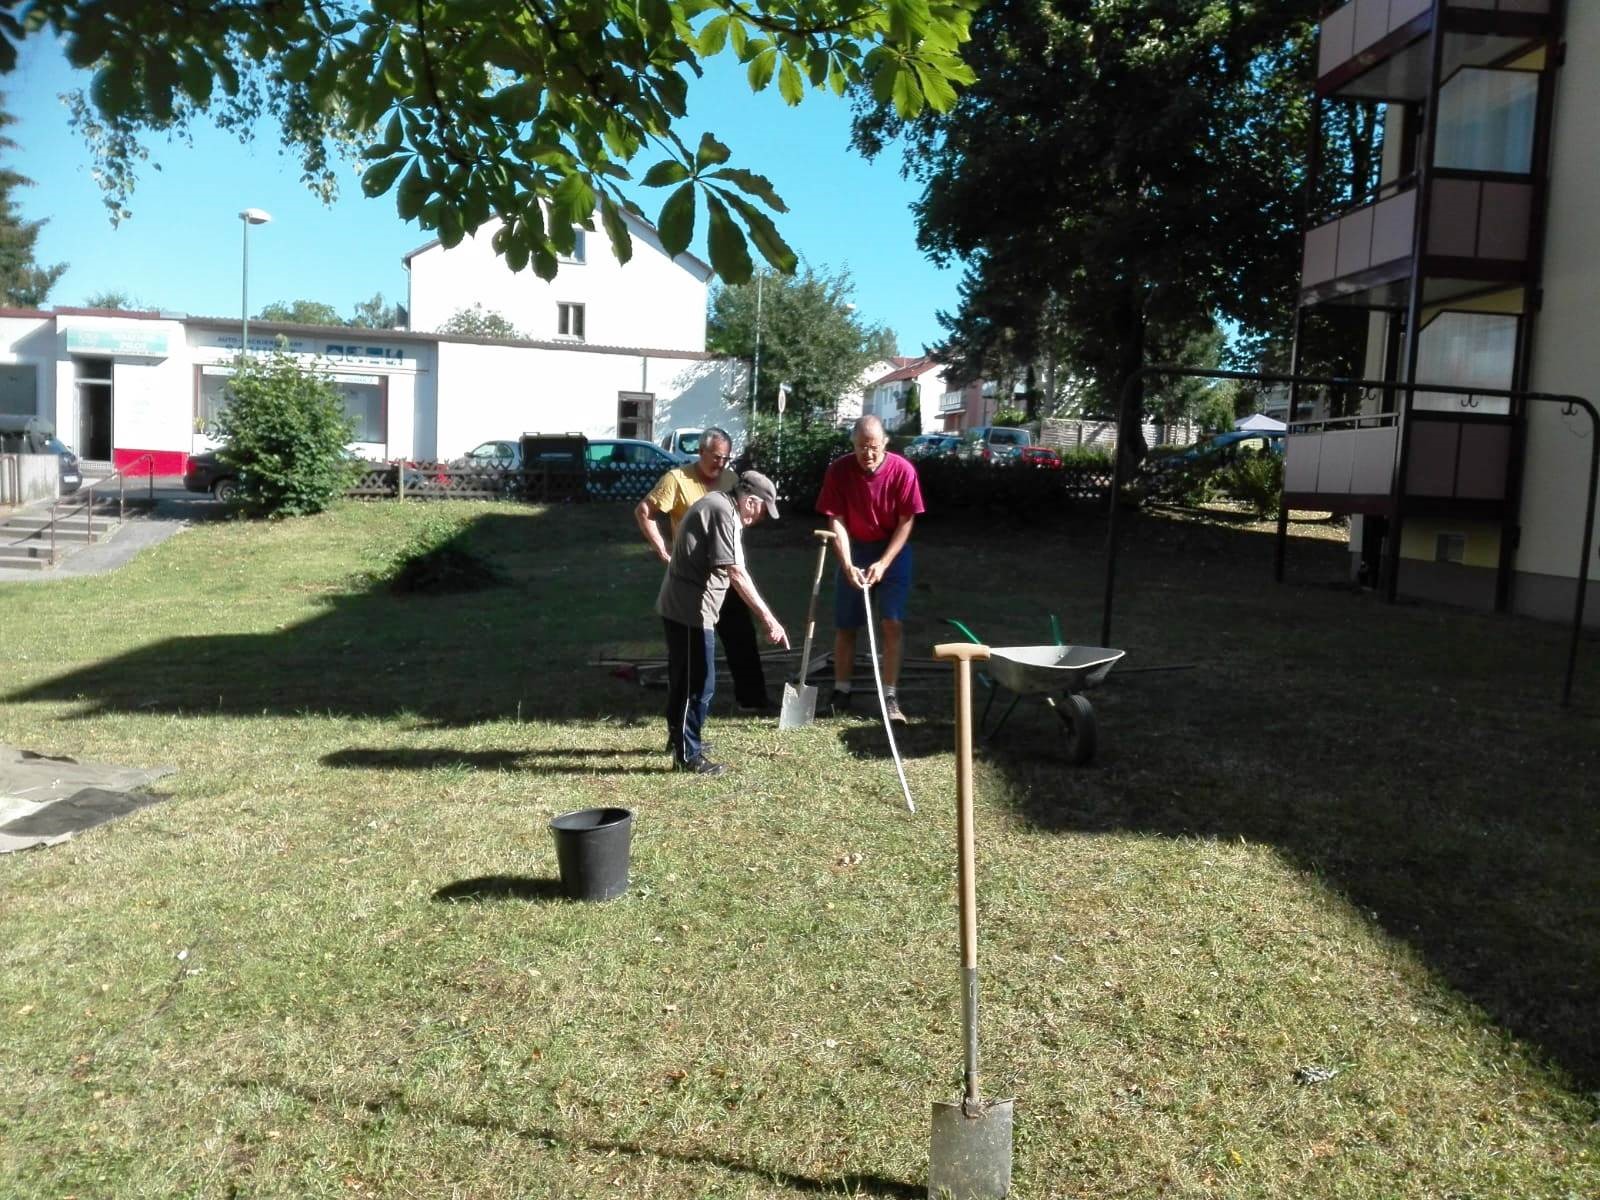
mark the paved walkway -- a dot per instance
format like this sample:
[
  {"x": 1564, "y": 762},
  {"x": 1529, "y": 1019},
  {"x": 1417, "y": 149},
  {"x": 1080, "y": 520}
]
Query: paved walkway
[{"x": 175, "y": 510}]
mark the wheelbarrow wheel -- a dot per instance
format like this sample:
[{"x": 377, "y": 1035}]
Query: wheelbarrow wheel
[{"x": 1077, "y": 727}]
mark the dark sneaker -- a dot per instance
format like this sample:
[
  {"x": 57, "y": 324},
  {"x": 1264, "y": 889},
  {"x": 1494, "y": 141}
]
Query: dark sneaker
[
  {"x": 891, "y": 707},
  {"x": 763, "y": 707},
  {"x": 699, "y": 766},
  {"x": 705, "y": 748},
  {"x": 839, "y": 703}
]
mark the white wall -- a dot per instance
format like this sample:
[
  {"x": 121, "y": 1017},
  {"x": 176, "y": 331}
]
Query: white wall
[
  {"x": 1566, "y": 352},
  {"x": 488, "y": 392},
  {"x": 653, "y": 302},
  {"x": 146, "y": 389}
]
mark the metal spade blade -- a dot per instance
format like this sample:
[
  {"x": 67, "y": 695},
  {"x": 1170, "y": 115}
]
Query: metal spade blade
[
  {"x": 799, "y": 706},
  {"x": 800, "y": 699},
  {"x": 969, "y": 1157}
]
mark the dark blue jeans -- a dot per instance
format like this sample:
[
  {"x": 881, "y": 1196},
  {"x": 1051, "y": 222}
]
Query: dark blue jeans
[{"x": 691, "y": 680}]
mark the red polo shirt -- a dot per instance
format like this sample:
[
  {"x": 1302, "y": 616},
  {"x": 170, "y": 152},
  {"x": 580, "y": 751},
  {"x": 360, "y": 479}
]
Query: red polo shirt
[{"x": 871, "y": 506}]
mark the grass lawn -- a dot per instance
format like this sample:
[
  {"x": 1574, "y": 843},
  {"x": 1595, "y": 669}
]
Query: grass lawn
[{"x": 1354, "y": 837}]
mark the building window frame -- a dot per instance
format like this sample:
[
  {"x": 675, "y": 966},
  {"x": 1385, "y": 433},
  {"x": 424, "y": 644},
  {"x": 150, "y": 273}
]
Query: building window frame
[{"x": 571, "y": 320}]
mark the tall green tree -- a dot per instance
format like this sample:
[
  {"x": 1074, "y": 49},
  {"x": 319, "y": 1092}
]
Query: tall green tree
[
  {"x": 24, "y": 283},
  {"x": 535, "y": 113},
  {"x": 377, "y": 314},
  {"x": 302, "y": 312},
  {"x": 114, "y": 299},
  {"x": 1122, "y": 174},
  {"x": 812, "y": 339}
]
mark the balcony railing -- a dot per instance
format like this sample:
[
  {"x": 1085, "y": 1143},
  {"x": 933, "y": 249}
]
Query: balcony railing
[
  {"x": 1371, "y": 236},
  {"x": 1347, "y": 465},
  {"x": 1375, "y": 48},
  {"x": 1478, "y": 228}
]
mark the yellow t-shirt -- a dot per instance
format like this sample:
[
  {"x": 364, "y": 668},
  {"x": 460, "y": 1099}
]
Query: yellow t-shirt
[{"x": 680, "y": 489}]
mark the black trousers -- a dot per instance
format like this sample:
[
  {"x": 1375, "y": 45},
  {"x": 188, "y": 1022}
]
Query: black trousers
[{"x": 737, "y": 630}]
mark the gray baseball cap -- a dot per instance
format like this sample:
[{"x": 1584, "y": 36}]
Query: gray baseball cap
[{"x": 754, "y": 483}]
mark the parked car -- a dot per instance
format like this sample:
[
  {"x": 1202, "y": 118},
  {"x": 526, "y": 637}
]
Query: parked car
[
  {"x": 35, "y": 435},
  {"x": 683, "y": 444},
  {"x": 1039, "y": 456},
  {"x": 205, "y": 472},
  {"x": 994, "y": 443},
  {"x": 627, "y": 468},
  {"x": 1219, "y": 448},
  {"x": 498, "y": 455},
  {"x": 933, "y": 445}
]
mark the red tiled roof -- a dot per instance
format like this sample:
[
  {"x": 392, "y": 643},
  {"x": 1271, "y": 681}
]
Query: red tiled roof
[{"x": 906, "y": 368}]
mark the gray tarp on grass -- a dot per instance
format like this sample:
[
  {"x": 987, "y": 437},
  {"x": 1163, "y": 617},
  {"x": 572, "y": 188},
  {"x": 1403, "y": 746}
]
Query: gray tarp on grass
[{"x": 45, "y": 800}]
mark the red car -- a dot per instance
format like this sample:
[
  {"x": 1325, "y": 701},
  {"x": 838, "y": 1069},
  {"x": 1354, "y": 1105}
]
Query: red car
[{"x": 1040, "y": 456}]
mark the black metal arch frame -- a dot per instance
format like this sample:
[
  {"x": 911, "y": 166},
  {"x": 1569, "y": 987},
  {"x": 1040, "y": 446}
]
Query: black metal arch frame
[{"x": 1570, "y": 404}]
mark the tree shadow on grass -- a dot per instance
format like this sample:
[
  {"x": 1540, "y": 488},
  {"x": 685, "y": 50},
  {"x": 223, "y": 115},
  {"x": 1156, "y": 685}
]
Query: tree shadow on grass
[
  {"x": 537, "y": 762},
  {"x": 1412, "y": 759},
  {"x": 848, "y": 1185}
]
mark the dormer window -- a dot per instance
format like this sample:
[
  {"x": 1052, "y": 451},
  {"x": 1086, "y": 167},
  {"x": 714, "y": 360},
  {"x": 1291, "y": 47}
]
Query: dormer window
[{"x": 569, "y": 321}]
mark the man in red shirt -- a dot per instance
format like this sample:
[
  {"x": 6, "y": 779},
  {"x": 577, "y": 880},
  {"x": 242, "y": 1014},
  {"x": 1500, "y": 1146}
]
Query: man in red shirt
[{"x": 871, "y": 498}]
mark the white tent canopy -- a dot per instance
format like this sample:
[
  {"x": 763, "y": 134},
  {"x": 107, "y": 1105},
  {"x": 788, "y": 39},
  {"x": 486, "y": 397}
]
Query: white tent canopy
[{"x": 1261, "y": 423}]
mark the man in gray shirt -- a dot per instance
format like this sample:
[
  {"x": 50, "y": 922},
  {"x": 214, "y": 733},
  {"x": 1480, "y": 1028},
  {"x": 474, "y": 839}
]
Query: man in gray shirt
[{"x": 707, "y": 560}]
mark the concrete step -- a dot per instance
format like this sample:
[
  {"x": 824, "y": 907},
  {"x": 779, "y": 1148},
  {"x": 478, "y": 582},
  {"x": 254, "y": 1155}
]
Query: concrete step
[
  {"x": 37, "y": 520},
  {"x": 23, "y": 564},
  {"x": 10, "y": 536},
  {"x": 25, "y": 550}
]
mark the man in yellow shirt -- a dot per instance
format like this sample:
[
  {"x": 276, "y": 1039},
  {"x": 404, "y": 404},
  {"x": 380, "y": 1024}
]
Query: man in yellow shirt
[{"x": 674, "y": 494}]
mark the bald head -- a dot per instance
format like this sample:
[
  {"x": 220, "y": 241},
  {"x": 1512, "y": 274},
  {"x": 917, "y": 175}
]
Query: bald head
[{"x": 871, "y": 443}]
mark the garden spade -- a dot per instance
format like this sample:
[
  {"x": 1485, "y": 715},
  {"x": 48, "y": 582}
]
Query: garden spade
[
  {"x": 969, "y": 1154},
  {"x": 800, "y": 699}
]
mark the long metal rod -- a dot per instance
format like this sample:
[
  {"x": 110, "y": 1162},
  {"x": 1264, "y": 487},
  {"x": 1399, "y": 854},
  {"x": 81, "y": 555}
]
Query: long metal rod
[
  {"x": 883, "y": 701},
  {"x": 967, "y": 882},
  {"x": 1567, "y": 401}
]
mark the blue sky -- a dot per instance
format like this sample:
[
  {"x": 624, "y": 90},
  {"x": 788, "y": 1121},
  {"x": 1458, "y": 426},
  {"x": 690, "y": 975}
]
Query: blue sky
[{"x": 181, "y": 248}]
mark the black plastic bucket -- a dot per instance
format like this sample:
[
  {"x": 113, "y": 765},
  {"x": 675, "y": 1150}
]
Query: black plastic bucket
[{"x": 592, "y": 852}]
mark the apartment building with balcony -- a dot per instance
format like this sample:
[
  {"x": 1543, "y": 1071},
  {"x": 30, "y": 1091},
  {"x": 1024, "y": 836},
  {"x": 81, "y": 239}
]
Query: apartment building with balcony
[{"x": 1477, "y": 261}]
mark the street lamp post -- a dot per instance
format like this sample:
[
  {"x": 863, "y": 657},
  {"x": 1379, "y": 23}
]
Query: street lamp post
[{"x": 249, "y": 217}]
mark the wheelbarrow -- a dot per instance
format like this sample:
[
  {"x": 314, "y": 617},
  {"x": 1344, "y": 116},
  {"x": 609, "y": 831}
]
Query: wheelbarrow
[{"x": 1059, "y": 675}]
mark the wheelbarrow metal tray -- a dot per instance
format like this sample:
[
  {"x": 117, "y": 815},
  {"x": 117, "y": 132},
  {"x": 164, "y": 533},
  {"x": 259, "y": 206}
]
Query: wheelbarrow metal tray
[{"x": 1041, "y": 670}]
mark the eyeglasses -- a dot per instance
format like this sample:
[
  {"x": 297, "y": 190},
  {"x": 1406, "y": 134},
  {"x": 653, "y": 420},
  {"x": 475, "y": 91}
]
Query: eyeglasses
[{"x": 722, "y": 458}]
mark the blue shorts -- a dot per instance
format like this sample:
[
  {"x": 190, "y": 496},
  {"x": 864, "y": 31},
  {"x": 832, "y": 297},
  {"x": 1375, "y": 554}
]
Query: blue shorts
[{"x": 888, "y": 598}]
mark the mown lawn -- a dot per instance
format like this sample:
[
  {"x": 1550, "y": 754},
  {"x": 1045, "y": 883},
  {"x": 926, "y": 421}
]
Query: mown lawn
[{"x": 1352, "y": 837}]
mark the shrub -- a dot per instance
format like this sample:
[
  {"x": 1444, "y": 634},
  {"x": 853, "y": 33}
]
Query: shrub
[
  {"x": 284, "y": 431},
  {"x": 1255, "y": 480}
]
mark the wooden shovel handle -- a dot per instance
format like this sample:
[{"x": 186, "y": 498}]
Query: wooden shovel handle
[
  {"x": 962, "y": 650},
  {"x": 825, "y": 536}
]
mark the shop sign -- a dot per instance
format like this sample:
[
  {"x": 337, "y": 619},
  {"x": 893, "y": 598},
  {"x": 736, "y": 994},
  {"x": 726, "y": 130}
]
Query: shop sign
[{"x": 121, "y": 343}]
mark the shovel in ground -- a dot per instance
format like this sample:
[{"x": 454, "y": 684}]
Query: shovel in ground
[
  {"x": 800, "y": 699},
  {"x": 969, "y": 1154}
]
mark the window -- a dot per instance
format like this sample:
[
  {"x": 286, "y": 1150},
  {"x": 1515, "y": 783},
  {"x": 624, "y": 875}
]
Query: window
[
  {"x": 579, "y": 249},
  {"x": 635, "y": 415},
  {"x": 19, "y": 389},
  {"x": 569, "y": 320},
  {"x": 1470, "y": 349},
  {"x": 363, "y": 404},
  {"x": 1486, "y": 121},
  {"x": 1450, "y": 548},
  {"x": 363, "y": 396}
]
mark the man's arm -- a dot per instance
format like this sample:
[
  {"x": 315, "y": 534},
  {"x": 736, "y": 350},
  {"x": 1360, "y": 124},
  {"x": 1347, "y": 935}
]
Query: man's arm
[
  {"x": 739, "y": 579},
  {"x": 902, "y": 533},
  {"x": 841, "y": 550},
  {"x": 645, "y": 514}
]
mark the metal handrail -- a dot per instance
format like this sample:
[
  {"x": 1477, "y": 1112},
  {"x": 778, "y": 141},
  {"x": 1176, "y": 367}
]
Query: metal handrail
[{"x": 85, "y": 498}]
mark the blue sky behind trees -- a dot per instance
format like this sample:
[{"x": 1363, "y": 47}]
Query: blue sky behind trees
[{"x": 180, "y": 249}]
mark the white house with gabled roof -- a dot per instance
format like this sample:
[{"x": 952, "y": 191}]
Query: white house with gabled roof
[{"x": 654, "y": 300}]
